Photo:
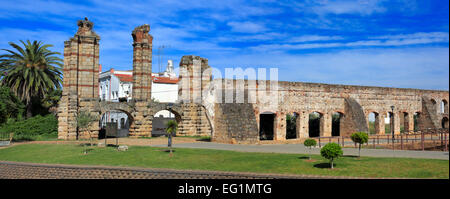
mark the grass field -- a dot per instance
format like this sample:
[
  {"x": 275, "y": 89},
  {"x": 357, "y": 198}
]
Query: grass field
[{"x": 204, "y": 159}]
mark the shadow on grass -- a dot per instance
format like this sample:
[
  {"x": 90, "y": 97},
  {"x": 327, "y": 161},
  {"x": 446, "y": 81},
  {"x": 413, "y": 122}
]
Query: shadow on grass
[
  {"x": 86, "y": 144},
  {"x": 323, "y": 165},
  {"x": 303, "y": 157},
  {"x": 350, "y": 156}
]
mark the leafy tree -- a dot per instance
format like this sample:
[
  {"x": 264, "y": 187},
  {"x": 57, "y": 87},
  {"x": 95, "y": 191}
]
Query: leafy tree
[
  {"x": 171, "y": 129},
  {"x": 310, "y": 143},
  {"x": 291, "y": 126},
  {"x": 331, "y": 151},
  {"x": 51, "y": 99},
  {"x": 84, "y": 121},
  {"x": 360, "y": 138},
  {"x": 31, "y": 72},
  {"x": 10, "y": 106}
]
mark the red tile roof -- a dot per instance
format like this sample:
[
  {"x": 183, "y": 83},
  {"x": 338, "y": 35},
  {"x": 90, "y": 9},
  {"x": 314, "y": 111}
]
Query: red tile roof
[
  {"x": 166, "y": 80},
  {"x": 124, "y": 77}
]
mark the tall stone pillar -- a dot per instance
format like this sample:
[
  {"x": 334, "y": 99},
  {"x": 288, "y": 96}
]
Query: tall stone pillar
[
  {"x": 325, "y": 125},
  {"x": 410, "y": 122},
  {"x": 280, "y": 126},
  {"x": 142, "y": 81},
  {"x": 303, "y": 126},
  {"x": 397, "y": 123},
  {"x": 193, "y": 80},
  {"x": 80, "y": 83},
  {"x": 142, "y": 63},
  {"x": 381, "y": 123}
]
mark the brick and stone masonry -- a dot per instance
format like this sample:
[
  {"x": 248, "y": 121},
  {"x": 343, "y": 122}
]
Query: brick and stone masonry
[
  {"x": 199, "y": 112},
  {"x": 80, "y": 84}
]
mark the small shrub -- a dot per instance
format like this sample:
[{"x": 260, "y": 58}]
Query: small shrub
[
  {"x": 331, "y": 151},
  {"x": 310, "y": 143},
  {"x": 360, "y": 138}
]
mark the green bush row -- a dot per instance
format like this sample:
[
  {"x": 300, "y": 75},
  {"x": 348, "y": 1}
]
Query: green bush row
[{"x": 40, "y": 126}]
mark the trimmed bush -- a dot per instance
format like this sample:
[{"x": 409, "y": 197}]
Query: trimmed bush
[
  {"x": 33, "y": 128},
  {"x": 331, "y": 151},
  {"x": 360, "y": 138},
  {"x": 310, "y": 143}
]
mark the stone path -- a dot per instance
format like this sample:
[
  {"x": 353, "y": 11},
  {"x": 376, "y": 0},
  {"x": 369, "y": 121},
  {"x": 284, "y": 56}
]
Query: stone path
[
  {"x": 301, "y": 149},
  {"x": 17, "y": 170}
]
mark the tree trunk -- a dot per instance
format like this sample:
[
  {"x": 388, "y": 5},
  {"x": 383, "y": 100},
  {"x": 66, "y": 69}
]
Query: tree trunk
[
  {"x": 170, "y": 145},
  {"x": 29, "y": 109},
  {"x": 309, "y": 153},
  {"x": 331, "y": 163},
  {"x": 359, "y": 151}
]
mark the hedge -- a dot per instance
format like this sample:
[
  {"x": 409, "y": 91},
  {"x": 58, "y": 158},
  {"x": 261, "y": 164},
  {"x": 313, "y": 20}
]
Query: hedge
[{"x": 34, "y": 126}]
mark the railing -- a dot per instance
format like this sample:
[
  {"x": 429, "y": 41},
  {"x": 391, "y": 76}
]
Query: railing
[{"x": 435, "y": 136}]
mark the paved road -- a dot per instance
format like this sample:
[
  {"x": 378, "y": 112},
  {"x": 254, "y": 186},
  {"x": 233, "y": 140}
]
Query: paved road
[
  {"x": 301, "y": 149},
  {"x": 17, "y": 170}
]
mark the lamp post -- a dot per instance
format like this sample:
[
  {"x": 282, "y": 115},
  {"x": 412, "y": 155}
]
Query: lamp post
[{"x": 392, "y": 124}]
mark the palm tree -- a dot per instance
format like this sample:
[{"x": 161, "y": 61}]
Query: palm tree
[
  {"x": 171, "y": 128},
  {"x": 31, "y": 72}
]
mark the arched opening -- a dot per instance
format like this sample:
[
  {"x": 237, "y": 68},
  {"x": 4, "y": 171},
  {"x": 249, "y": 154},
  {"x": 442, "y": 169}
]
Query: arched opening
[
  {"x": 266, "y": 125},
  {"x": 117, "y": 119},
  {"x": 336, "y": 123},
  {"x": 160, "y": 119},
  {"x": 416, "y": 121},
  {"x": 434, "y": 106},
  {"x": 374, "y": 123},
  {"x": 444, "y": 106},
  {"x": 445, "y": 123},
  {"x": 291, "y": 125},
  {"x": 314, "y": 123},
  {"x": 389, "y": 123},
  {"x": 404, "y": 122}
]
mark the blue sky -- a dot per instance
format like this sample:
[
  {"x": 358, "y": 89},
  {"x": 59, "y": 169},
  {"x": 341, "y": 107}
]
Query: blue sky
[{"x": 403, "y": 43}]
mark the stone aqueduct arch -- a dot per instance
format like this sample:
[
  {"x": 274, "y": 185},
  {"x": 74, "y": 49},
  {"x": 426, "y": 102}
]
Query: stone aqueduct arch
[
  {"x": 232, "y": 122},
  {"x": 80, "y": 88}
]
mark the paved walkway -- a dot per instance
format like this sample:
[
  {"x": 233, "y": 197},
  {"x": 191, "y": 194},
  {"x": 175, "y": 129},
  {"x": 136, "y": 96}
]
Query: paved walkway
[
  {"x": 18, "y": 170},
  {"x": 301, "y": 149}
]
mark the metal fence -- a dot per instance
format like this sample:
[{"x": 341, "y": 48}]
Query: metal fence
[{"x": 436, "y": 137}]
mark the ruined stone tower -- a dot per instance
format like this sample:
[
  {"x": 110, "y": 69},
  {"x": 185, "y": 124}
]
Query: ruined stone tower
[
  {"x": 142, "y": 63},
  {"x": 194, "y": 78},
  {"x": 142, "y": 81},
  {"x": 81, "y": 54}
]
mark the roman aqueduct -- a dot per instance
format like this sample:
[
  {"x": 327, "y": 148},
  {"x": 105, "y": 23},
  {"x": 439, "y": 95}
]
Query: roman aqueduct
[{"x": 238, "y": 122}]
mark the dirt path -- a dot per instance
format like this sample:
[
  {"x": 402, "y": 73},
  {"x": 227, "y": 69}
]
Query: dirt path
[{"x": 121, "y": 141}]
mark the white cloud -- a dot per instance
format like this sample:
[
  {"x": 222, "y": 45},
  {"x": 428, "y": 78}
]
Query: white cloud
[
  {"x": 246, "y": 27},
  {"x": 388, "y": 40},
  {"x": 362, "y": 7},
  {"x": 423, "y": 68},
  {"x": 308, "y": 38}
]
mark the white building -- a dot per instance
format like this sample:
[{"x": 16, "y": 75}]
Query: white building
[{"x": 115, "y": 86}]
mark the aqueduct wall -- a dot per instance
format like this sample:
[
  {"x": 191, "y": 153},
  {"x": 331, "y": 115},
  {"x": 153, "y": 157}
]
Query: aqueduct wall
[
  {"x": 355, "y": 103},
  {"x": 198, "y": 113}
]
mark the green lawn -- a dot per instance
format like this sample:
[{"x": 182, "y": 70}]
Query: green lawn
[{"x": 203, "y": 159}]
